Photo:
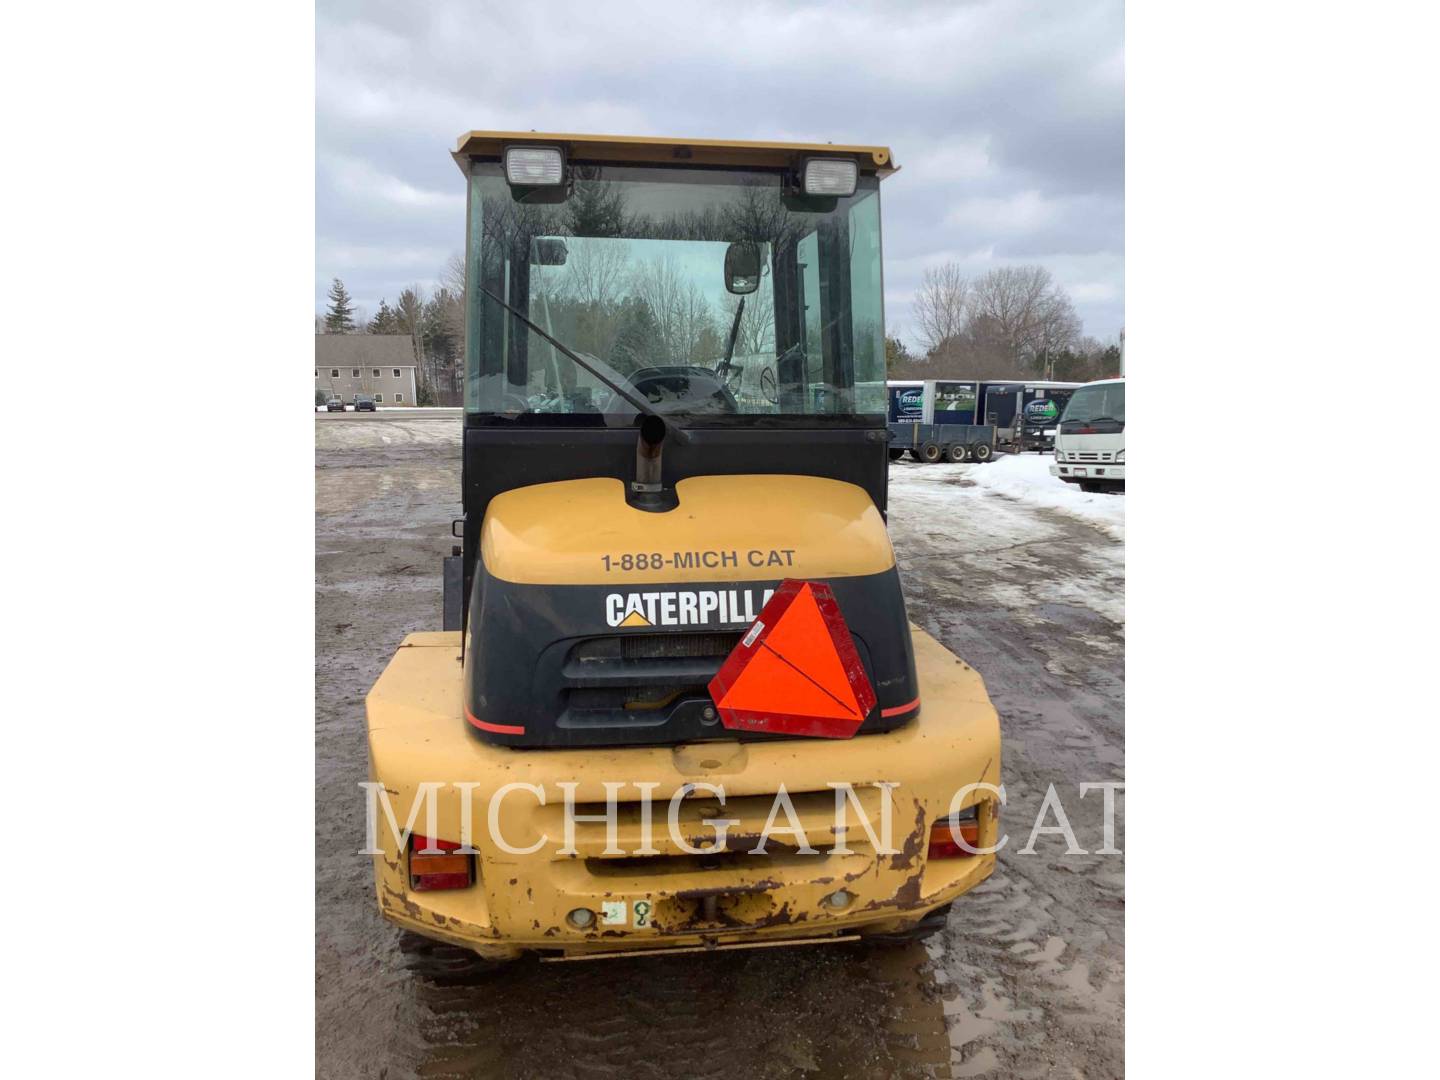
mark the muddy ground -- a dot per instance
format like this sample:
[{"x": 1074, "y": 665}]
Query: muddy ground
[{"x": 1027, "y": 979}]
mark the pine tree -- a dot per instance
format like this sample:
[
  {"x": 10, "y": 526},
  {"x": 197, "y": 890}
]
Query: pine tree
[
  {"x": 595, "y": 208},
  {"x": 340, "y": 318},
  {"x": 897, "y": 356},
  {"x": 384, "y": 322},
  {"x": 410, "y": 316},
  {"x": 640, "y": 342}
]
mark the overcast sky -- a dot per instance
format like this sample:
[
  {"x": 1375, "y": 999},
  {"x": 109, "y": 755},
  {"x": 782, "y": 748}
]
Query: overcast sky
[{"x": 1006, "y": 118}]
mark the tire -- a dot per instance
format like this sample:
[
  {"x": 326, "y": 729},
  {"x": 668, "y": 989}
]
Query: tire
[
  {"x": 442, "y": 963},
  {"x": 955, "y": 453},
  {"x": 981, "y": 452},
  {"x": 928, "y": 926},
  {"x": 896, "y": 455},
  {"x": 915, "y": 455},
  {"x": 930, "y": 453}
]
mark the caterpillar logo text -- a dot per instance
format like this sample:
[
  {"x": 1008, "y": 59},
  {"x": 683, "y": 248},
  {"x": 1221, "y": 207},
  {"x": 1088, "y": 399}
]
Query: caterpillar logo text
[{"x": 697, "y": 607}]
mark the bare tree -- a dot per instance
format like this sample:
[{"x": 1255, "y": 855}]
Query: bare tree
[
  {"x": 452, "y": 277},
  {"x": 595, "y": 272},
  {"x": 982, "y": 351},
  {"x": 1028, "y": 314},
  {"x": 686, "y": 324},
  {"x": 1057, "y": 327},
  {"x": 757, "y": 325},
  {"x": 942, "y": 306}
]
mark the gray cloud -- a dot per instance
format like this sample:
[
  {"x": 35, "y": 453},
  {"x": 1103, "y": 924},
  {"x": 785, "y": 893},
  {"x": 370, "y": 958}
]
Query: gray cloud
[{"x": 1007, "y": 119}]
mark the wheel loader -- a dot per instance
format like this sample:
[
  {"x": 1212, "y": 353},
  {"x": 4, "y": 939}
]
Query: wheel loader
[{"x": 676, "y": 704}]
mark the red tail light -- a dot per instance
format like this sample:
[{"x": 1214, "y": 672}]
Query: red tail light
[
  {"x": 942, "y": 841},
  {"x": 443, "y": 871}
]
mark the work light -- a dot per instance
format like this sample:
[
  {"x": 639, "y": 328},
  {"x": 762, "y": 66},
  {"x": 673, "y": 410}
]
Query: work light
[
  {"x": 830, "y": 176},
  {"x": 534, "y": 166}
]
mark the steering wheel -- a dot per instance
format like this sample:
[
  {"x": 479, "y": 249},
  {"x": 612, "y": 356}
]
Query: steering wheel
[
  {"x": 684, "y": 389},
  {"x": 768, "y": 390}
]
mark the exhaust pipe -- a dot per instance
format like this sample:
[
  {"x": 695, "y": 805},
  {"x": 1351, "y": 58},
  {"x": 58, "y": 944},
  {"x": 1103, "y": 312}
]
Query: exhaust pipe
[
  {"x": 647, "y": 455},
  {"x": 647, "y": 491}
]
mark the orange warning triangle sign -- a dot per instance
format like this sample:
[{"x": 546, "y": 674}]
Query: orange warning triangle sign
[
  {"x": 769, "y": 683},
  {"x": 796, "y": 671}
]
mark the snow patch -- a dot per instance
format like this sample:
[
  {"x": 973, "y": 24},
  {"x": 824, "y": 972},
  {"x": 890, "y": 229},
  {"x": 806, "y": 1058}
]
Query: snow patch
[
  {"x": 947, "y": 520},
  {"x": 1023, "y": 477}
]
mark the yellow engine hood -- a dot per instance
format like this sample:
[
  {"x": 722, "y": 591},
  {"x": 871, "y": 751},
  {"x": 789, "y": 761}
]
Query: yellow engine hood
[{"x": 726, "y": 528}]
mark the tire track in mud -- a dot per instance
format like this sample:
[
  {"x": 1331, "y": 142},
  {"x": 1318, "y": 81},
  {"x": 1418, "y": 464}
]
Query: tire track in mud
[
  {"x": 1033, "y": 599},
  {"x": 1026, "y": 978},
  {"x": 382, "y": 527},
  {"x": 821, "y": 1011}
]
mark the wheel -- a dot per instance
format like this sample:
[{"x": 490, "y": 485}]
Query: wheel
[
  {"x": 981, "y": 452},
  {"x": 930, "y": 453},
  {"x": 955, "y": 452},
  {"x": 931, "y": 924},
  {"x": 442, "y": 963},
  {"x": 896, "y": 455}
]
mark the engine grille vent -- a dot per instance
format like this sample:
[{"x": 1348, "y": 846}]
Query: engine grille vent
[
  {"x": 654, "y": 647},
  {"x": 634, "y": 680}
]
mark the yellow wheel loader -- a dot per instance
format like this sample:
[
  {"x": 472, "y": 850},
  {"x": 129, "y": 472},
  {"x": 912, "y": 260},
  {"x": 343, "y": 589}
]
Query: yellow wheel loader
[{"x": 676, "y": 704}]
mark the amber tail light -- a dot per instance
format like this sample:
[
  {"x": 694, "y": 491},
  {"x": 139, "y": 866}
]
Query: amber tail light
[
  {"x": 447, "y": 870},
  {"x": 942, "y": 839}
]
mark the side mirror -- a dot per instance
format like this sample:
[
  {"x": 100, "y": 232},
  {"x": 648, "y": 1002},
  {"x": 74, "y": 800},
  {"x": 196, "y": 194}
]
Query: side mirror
[
  {"x": 550, "y": 251},
  {"x": 742, "y": 267}
]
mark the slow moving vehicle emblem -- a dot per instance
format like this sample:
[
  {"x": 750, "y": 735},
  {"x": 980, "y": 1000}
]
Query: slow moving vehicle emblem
[{"x": 796, "y": 671}]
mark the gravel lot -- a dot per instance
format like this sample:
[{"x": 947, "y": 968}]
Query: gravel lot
[{"x": 1027, "y": 979}]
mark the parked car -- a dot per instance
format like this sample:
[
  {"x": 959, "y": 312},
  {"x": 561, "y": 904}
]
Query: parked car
[
  {"x": 334, "y": 404},
  {"x": 364, "y": 403}
]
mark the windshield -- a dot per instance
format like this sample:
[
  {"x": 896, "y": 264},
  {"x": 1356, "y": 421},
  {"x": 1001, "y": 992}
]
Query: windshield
[
  {"x": 628, "y": 271},
  {"x": 1101, "y": 402}
]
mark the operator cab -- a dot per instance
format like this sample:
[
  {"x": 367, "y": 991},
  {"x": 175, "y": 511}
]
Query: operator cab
[
  {"x": 734, "y": 288},
  {"x": 654, "y": 313}
]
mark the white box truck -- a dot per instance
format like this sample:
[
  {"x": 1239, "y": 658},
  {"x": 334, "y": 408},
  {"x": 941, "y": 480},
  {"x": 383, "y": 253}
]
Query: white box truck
[{"x": 1090, "y": 441}]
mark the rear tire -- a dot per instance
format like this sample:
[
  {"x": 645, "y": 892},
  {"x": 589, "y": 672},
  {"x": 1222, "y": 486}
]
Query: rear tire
[
  {"x": 930, "y": 453},
  {"x": 928, "y": 926},
  {"x": 981, "y": 452},
  {"x": 955, "y": 453},
  {"x": 442, "y": 963}
]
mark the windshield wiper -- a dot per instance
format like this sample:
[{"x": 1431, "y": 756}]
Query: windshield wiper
[
  {"x": 723, "y": 368},
  {"x": 640, "y": 404},
  {"x": 1095, "y": 420}
]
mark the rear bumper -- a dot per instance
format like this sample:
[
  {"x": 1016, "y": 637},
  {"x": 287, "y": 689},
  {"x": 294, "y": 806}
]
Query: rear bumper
[
  {"x": 672, "y": 899},
  {"x": 1072, "y": 472}
]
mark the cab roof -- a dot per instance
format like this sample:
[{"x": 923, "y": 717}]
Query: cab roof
[{"x": 654, "y": 150}]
